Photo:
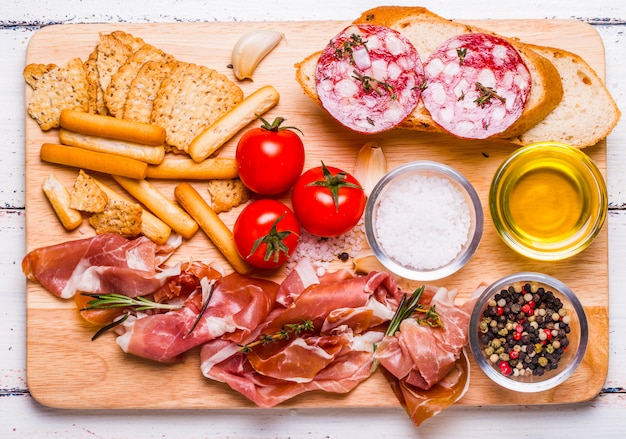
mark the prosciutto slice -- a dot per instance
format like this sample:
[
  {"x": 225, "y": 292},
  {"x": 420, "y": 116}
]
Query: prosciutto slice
[
  {"x": 346, "y": 314},
  {"x": 236, "y": 305},
  {"x": 426, "y": 366},
  {"x": 103, "y": 264}
]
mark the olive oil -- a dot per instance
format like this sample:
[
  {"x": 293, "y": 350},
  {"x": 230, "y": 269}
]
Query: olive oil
[
  {"x": 547, "y": 204},
  {"x": 548, "y": 201}
]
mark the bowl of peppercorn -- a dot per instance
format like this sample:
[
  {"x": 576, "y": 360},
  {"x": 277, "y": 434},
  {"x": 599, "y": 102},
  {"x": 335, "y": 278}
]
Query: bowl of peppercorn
[{"x": 528, "y": 332}]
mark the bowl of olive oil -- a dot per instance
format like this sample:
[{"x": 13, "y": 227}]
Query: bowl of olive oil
[{"x": 548, "y": 201}]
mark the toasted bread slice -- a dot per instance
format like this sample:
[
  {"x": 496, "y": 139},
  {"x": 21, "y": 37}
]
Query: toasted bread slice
[
  {"x": 586, "y": 98},
  {"x": 427, "y": 31}
]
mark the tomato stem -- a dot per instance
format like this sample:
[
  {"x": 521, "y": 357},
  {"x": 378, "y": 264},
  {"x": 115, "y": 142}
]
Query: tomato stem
[
  {"x": 275, "y": 126},
  {"x": 274, "y": 241},
  {"x": 334, "y": 183}
]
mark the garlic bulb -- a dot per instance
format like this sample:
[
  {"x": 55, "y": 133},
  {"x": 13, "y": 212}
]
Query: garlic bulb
[
  {"x": 250, "y": 49},
  {"x": 370, "y": 166}
]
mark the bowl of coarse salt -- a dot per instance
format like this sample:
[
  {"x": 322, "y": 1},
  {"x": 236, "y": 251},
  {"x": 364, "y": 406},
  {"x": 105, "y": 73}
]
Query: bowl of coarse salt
[{"x": 423, "y": 220}]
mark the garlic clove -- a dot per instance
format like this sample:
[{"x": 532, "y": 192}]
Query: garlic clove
[
  {"x": 370, "y": 166},
  {"x": 250, "y": 49},
  {"x": 366, "y": 263}
]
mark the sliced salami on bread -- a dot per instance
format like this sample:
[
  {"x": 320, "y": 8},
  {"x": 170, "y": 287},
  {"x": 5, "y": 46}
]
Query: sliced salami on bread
[{"x": 554, "y": 73}]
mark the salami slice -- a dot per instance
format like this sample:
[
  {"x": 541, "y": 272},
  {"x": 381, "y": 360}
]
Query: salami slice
[
  {"x": 369, "y": 77},
  {"x": 477, "y": 85}
]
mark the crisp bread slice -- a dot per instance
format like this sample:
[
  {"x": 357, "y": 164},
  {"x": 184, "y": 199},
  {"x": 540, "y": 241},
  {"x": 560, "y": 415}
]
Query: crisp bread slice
[
  {"x": 114, "y": 49},
  {"x": 63, "y": 87},
  {"x": 118, "y": 89},
  {"x": 33, "y": 72},
  {"x": 190, "y": 99},
  {"x": 119, "y": 216},
  {"x": 86, "y": 194},
  {"x": 143, "y": 89},
  {"x": 96, "y": 94}
]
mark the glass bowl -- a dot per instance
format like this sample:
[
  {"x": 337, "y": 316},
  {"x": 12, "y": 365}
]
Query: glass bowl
[
  {"x": 423, "y": 220},
  {"x": 547, "y": 354},
  {"x": 548, "y": 201}
]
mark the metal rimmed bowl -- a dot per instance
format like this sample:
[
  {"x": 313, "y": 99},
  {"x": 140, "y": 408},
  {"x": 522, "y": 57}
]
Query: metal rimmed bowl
[
  {"x": 423, "y": 220},
  {"x": 562, "y": 349},
  {"x": 548, "y": 201}
]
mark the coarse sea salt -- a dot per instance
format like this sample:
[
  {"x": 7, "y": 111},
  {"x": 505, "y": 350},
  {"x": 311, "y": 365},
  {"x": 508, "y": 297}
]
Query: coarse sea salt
[
  {"x": 422, "y": 222},
  {"x": 321, "y": 252}
]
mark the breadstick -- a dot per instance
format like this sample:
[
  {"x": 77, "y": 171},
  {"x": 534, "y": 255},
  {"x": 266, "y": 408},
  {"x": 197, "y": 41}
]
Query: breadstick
[
  {"x": 145, "y": 153},
  {"x": 151, "y": 226},
  {"x": 112, "y": 127},
  {"x": 92, "y": 160},
  {"x": 183, "y": 168},
  {"x": 59, "y": 198},
  {"x": 212, "y": 225},
  {"x": 146, "y": 193},
  {"x": 218, "y": 133}
]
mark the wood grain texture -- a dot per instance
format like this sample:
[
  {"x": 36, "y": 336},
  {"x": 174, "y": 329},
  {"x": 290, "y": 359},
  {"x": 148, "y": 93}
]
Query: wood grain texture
[{"x": 65, "y": 369}]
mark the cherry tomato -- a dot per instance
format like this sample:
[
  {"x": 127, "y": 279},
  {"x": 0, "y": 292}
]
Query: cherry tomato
[
  {"x": 270, "y": 158},
  {"x": 266, "y": 233},
  {"x": 327, "y": 201}
]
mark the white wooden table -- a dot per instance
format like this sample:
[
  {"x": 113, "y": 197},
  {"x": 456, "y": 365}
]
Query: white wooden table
[{"x": 22, "y": 417}]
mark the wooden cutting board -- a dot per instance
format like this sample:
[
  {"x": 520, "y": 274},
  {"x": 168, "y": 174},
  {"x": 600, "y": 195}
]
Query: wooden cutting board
[{"x": 67, "y": 370}]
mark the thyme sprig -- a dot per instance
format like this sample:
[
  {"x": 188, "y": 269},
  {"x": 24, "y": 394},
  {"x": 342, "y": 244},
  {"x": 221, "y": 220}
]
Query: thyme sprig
[
  {"x": 287, "y": 331},
  {"x": 486, "y": 94},
  {"x": 408, "y": 306},
  {"x": 373, "y": 85},
  {"x": 462, "y": 53},
  {"x": 106, "y": 301},
  {"x": 346, "y": 48}
]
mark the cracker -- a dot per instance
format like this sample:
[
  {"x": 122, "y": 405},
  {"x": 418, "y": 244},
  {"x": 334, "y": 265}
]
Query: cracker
[
  {"x": 118, "y": 89},
  {"x": 61, "y": 88},
  {"x": 190, "y": 99},
  {"x": 33, "y": 72},
  {"x": 114, "y": 49},
  {"x": 86, "y": 195},
  {"x": 226, "y": 194},
  {"x": 143, "y": 89},
  {"x": 119, "y": 216},
  {"x": 96, "y": 94}
]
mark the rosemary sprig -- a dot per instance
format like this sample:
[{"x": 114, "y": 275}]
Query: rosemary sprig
[
  {"x": 286, "y": 332},
  {"x": 109, "y": 326},
  {"x": 409, "y": 306},
  {"x": 105, "y": 301},
  {"x": 201, "y": 313},
  {"x": 486, "y": 94}
]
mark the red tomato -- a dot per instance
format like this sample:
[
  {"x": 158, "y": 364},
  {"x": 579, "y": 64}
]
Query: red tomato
[
  {"x": 266, "y": 233},
  {"x": 270, "y": 158},
  {"x": 327, "y": 201}
]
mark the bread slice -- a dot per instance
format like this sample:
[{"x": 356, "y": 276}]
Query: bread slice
[
  {"x": 585, "y": 99},
  {"x": 427, "y": 31}
]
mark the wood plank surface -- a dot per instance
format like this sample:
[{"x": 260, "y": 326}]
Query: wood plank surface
[{"x": 65, "y": 369}]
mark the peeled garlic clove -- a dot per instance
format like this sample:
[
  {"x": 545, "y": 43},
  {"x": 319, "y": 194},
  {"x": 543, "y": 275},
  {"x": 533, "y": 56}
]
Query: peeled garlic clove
[
  {"x": 370, "y": 166},
  {"x": 250, "y": 49}
]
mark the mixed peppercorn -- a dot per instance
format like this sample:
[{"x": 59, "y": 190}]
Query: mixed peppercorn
[{"x": 524, "y": 330}]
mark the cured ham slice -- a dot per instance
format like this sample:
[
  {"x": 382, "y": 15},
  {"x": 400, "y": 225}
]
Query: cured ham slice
[
  {"x": 369, "y": 77},
  {"x": 425, "y": 365},
  {"x": 333, "y": 354},
  {"x": 103, "y": 264},
  {"x": 477, "y": 85},
  {"x": 235, "y": 306}
]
